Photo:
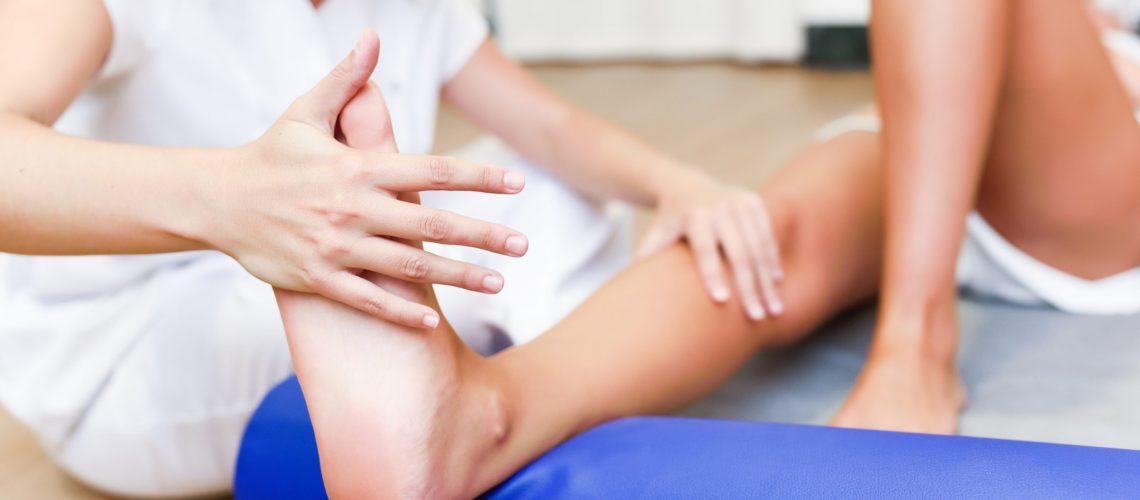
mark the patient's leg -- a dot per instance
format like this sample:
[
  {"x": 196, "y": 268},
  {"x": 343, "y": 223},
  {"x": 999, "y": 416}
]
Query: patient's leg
[
  {"x": 392, "y": 407},
  {"x": 1062, "y": 183},
  {"x": 410, "y": 413},
  {"x": 1063, "y": 179}
]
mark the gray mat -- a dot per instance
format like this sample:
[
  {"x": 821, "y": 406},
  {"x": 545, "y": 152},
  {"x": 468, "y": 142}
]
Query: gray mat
[{"x": 1032, "y": 374}]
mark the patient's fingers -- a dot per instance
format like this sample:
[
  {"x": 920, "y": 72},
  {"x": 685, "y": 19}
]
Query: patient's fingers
[
  {"x": 357, "y": 292},
  {"x": 703, "y": 240},
  {"x": 743, "y": 266},
  {"x": 404, "y": 262}
]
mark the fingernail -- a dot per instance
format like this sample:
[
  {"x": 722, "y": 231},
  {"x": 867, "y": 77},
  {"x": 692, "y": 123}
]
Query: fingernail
[
  {"x": 492, "y": 283},
  {"x": 755, "y": 312},
  {"x": 776, "y": 307},
  {"x": 720, "y": 294},
  {"x": 513, "y": 181},
  {"x": 431, "y": 320},
  {"x": 516, "y": 245},
  {"x": 360, "y": 42}
]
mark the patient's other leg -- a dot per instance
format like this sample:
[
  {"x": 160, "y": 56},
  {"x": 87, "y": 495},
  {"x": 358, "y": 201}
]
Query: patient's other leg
[
  {"x": 1063, "y": 180},
  {"x": 1062, "y": 183}
]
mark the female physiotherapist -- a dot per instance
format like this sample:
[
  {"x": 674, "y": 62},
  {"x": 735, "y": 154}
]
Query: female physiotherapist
[{"x": 178, "y": 127}]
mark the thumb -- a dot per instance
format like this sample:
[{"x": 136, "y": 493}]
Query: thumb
[
  {"x": 660, "y": 236},
  {"x": 364, "y": 122},
  {"x": 321, "y": 105}
]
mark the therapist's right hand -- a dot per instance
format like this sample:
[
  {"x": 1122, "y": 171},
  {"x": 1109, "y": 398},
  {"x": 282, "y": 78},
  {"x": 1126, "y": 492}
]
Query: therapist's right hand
[{"x": 303, "y": 212}]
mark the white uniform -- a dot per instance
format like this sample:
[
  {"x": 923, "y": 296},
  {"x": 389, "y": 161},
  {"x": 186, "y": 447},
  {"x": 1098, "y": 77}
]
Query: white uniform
[{"x": 138, "y": 373}]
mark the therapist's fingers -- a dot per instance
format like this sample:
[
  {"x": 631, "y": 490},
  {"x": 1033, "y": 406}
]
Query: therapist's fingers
[
  {"x": 743, "y": 269},
  {"x": 748, "y": 220},
  {"x": 406, "y": 173},
  {"x": 768, "y": 234},
  {"x": 322, "y": 105},
  {"x": 414, "y": 222},
  {"x": 350, "y": 289},
  {"x": 703, "y": 242},
  {"x": 660, "y": 235},
  {"x": 406, "y": 263}
]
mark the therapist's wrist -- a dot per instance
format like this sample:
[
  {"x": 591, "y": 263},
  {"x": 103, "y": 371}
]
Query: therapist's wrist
[
  {"x": 673, "y": 179},
  {"x": 210, "y": 180}
]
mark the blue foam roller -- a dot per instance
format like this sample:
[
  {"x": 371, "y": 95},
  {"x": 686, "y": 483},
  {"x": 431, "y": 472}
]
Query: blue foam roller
[
  {"x": 278, "y": 454},
  {"x": 665, "y": 457}
]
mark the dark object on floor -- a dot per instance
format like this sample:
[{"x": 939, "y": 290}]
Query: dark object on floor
[{"x": 837, "y": 47}]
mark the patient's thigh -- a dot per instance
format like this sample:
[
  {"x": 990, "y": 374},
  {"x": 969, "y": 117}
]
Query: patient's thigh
[{"x": 1063, "y": 177}]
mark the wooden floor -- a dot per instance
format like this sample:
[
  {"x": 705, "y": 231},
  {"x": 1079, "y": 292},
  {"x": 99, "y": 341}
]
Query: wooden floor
[{"x": 739, "y": 122}]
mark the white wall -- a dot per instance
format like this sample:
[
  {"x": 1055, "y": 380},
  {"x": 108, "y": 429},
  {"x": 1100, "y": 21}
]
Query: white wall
[
  {"x": 748, "y": 30},
  {"x": 834, "y": 11}
]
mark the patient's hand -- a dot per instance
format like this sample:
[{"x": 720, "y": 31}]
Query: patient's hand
[{"x": 906, "y": 387}]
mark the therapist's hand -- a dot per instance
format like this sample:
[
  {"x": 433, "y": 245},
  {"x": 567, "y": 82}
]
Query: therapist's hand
[
  {"x": 714, "y": 217},
  {"x": 304, "y": 212}
]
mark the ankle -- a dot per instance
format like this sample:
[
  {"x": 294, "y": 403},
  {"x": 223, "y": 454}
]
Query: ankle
[
  {"x": 490, "y": 410},
  {"x": 930, "y": 337},
  {"x": 487, "y": 427}
]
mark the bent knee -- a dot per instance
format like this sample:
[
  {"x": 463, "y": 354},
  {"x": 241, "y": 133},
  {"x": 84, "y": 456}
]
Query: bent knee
[{"x": 827, "y": 267}]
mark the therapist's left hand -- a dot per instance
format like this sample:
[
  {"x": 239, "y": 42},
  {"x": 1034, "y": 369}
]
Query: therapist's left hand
[{"x": 714, "y": 217}]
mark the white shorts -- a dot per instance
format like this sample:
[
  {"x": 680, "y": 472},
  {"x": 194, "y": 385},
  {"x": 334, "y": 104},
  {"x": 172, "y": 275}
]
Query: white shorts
[
  {"x": 138, "y": 373},
  {"x": 990, "y": 266}
]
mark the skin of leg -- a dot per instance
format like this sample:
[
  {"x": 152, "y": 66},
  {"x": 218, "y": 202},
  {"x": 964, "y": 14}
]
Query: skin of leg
[
  {"x": 650, "y": 342},
  {"x": 1063, "y": 179},
  {"x": 937, "y": 100},
  {"x": 417, "y": 374},
  {"x": 1061, "y": 182},
  {"x": 403, "y": 413}
]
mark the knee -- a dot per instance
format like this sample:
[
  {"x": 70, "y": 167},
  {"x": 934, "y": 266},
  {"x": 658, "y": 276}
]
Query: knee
[
  {"x": 796, "y": 237},
  {"x": 807, "y": 285},
  {"x": 786, "y": 222}
]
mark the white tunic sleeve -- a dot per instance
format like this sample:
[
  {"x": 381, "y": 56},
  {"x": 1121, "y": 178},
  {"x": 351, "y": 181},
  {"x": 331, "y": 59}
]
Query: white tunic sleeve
[
  {"x": 137, "y": 26},
  {"x": 466, "y": 31}
]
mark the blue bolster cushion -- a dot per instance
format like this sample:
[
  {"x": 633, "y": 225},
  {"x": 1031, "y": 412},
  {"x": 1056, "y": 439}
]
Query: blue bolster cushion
[{"x": 666, "y": 457}]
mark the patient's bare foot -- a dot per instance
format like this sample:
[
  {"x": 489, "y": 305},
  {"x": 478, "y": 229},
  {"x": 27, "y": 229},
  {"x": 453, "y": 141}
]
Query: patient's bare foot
[
  {"x": 906, "y": 388},
  {"x": 903, "y": 395},
  {"x": 398, "y": 413}
]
